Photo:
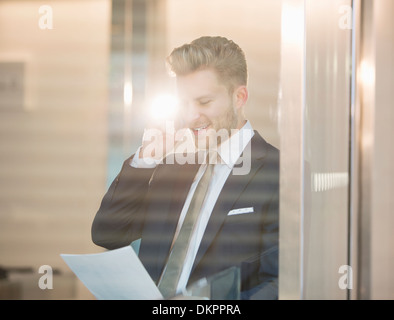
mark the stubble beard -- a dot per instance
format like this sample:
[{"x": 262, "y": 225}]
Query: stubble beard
[{"x": 221, "y": 130}]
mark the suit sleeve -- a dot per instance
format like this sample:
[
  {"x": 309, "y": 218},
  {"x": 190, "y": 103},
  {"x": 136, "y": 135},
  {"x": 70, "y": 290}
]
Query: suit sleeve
[{"x": 120, "y": 218}]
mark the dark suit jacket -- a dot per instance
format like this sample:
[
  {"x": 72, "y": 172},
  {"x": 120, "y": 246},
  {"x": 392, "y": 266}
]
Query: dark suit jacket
[{"x": 146, "y": 203}]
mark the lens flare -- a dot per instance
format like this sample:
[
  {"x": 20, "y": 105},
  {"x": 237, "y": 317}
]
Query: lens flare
[{"x": 164, "y": 107}]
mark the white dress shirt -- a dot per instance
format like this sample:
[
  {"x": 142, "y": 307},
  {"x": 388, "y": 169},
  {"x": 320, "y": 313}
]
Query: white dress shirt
[{"x": 229, "y": 152}]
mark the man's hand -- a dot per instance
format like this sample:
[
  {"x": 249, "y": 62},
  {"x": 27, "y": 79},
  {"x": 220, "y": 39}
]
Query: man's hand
[{"x": 162, "y": 139}]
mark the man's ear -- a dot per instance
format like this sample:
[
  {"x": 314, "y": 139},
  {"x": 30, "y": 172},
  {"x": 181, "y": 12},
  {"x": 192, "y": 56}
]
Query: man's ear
[{"x": 241, "y": 95}]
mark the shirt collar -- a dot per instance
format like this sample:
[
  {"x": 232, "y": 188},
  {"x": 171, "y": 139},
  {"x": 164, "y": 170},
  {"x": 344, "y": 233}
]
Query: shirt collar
[{"x": 231, "y": 149}]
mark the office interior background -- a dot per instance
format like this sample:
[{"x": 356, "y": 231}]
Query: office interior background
[{"x": 76, "y": 82}]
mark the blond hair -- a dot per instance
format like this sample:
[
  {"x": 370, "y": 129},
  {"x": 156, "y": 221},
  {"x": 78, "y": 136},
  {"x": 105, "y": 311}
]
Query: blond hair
[{"x": 223, "y": 56}]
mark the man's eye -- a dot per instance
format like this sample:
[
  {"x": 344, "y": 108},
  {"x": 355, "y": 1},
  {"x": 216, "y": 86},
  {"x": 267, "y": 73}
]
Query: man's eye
[{"x": 205, "y": 102}]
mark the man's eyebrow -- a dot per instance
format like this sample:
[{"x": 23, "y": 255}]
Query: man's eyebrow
[{"x": 199, "y": 98}]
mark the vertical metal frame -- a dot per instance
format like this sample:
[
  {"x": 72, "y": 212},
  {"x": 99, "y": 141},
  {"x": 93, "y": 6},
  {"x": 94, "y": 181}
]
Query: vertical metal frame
[
  {"x": 366, "y": 96},
  {"x": 354, "y": 159}
]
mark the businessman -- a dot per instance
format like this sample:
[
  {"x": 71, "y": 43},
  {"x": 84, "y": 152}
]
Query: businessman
[{"x": 218, "y": 209}]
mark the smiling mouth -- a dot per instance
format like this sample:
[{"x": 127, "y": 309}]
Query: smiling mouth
[{"x": 200, "y": 130}]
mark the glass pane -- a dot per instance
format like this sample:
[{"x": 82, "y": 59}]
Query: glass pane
[{"x": 326, "y": 146}]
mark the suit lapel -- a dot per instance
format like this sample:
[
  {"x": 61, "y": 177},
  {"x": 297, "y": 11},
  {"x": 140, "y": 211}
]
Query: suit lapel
[{"x": 231, "y": 191}]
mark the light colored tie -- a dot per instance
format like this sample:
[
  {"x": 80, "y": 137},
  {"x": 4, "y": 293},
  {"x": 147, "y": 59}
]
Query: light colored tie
[{"x": 172, "y": 272}]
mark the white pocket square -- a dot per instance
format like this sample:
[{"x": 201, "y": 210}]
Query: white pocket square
[{"x": 240, "y": 211}]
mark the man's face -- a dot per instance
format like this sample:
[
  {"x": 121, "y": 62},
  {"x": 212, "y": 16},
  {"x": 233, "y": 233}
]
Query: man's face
[{"x": 207, "y": 107}]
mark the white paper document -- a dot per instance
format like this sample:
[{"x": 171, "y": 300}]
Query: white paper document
[{"x": 114, "y": 275}]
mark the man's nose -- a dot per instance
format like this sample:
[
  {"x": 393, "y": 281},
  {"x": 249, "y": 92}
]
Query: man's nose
[{"x": 192, "y": 113}]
